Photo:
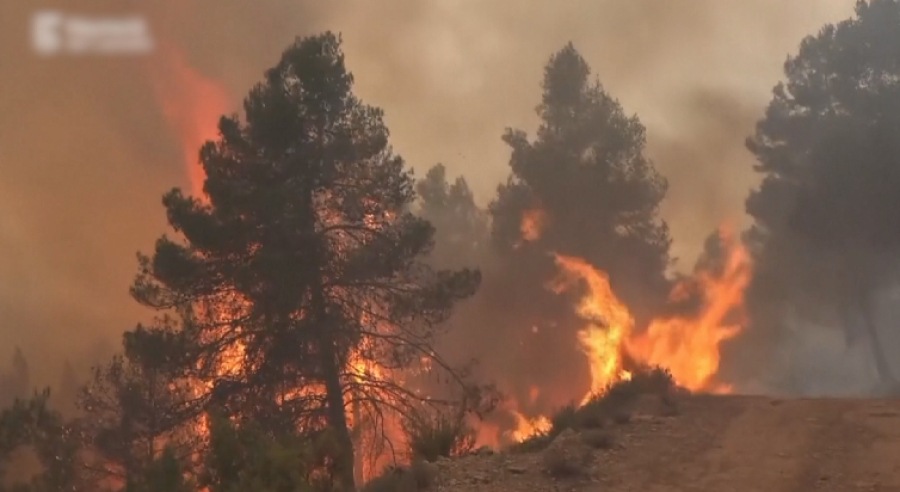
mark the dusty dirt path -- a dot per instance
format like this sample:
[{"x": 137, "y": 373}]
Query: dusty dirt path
[{"x": 756, "y": 444}]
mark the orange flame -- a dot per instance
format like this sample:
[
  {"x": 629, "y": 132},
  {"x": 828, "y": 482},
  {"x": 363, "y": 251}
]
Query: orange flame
[
  {"x": 609, "y": 323},
  {"x": 528, "y": 427},
  {"x": 192, "y": 105},
  {"x": 687, "y": 345}
]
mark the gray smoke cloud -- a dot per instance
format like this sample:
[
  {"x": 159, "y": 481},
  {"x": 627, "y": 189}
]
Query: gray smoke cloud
[{"x": 85, "y": 151}]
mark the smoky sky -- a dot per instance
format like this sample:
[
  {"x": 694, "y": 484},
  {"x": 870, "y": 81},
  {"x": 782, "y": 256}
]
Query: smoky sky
[{"x": 85, "y": 152}]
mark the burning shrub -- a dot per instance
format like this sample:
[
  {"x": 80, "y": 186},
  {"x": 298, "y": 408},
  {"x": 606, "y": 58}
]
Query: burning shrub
[
  {"x": 647, "y": 380},
  {"x": 534, "y": 443},
  {"x": 619, "y": 395},
  {"x": 613, "y": 404},
  {"x": 432, "y": 434},
  {"x": 567, "y": 417}
]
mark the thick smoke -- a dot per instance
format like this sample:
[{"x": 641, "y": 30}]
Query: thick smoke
[{"x": 85, "y": 151}]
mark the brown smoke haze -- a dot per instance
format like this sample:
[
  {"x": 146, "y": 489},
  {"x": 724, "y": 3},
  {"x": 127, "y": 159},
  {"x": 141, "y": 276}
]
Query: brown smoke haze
[{"x": 85, "y": 151}]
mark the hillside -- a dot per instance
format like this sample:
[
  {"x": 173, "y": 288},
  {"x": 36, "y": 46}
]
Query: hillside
[{"x": 712, "y": 443}]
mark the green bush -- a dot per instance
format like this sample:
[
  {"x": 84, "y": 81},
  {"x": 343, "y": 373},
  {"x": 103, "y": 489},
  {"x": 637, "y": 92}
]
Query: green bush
[{"x": 243, "y": 458}]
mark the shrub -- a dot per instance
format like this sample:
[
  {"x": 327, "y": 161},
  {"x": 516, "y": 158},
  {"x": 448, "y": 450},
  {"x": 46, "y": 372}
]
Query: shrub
[
  {"x": 597, "y": 439},
  {"x": 559, "y": 465},
  {"x": 392, "y": 479},
  {"x": 564, "y": 418},
  {"x": 568, "y": 458},
  {"x": 621, "y": 417},
  {"x": 433, "y": 434},
  {"x": 650, "y": 380},
  {"x": 612, "y": 404},
  {"x": 643, "y": 381},
  {"x": 420, "y": 475}
]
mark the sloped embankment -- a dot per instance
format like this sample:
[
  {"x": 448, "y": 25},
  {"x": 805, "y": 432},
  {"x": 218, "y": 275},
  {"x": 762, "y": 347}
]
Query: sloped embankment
[{"x": 711, "y": 443}]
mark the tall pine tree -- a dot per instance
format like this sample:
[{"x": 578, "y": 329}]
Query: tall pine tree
[
  {"x": 304, "y": 264},
  {"x": 598, "y": 193}
]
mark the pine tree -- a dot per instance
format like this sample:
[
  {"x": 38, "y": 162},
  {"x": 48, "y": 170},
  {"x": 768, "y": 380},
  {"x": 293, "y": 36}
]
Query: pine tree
[{"x": 304, "y": 264}]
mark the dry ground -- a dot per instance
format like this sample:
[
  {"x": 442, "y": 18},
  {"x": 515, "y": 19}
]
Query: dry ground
[{"x": 714, "y": 444}]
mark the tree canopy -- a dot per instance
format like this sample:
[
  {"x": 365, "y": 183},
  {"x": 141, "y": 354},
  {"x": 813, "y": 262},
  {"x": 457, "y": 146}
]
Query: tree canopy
[{"x": 829, "y": 152}]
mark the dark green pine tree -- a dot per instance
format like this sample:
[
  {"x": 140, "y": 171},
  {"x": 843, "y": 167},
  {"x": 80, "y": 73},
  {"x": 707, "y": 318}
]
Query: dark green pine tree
[
  {"x": 828, "y": 149},
  {"x": 586, "y": 170},
  {"x": 305, "y": 261}
]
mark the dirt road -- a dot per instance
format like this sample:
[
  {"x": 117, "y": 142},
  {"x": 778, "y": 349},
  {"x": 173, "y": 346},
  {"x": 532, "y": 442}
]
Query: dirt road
[{"x": 757, "y": 444}]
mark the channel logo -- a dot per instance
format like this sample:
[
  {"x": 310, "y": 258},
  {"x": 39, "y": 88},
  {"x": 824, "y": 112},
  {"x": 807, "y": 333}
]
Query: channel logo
[{"x": 56, "y": 33}]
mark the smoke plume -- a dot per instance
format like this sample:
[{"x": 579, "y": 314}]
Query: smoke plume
[{"x": 86, "y": 151}]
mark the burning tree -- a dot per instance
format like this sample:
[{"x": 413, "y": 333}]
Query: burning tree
[
  {"x": 583, "y": 188},
  {"x": 586, "y": 173},
  {"x": 299, "y": 277},
  {"x": 133, "y": 408},
  {"x": 828, "y": 149}
]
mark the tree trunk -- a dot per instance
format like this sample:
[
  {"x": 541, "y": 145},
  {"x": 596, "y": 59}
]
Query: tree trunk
[
  {"x": 337, "y": 418},
  {"x": 331, "y": 365},
  {"x": 356, "y": 436},
  {"x": 881, "y": 363},
  {"x": 334, "y": 396}
]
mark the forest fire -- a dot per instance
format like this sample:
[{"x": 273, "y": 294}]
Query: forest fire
[
  {"x": 687, "y": 345},
  {"x": 609, "y": 323}
]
